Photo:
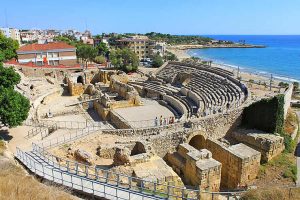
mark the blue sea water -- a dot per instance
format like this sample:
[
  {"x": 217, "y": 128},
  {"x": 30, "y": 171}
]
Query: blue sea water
[{"x": 281, "y": 57}]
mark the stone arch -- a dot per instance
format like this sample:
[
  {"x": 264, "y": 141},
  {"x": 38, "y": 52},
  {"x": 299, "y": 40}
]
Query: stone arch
[
  {"x": 138, "y": 148},
  {"x": 80, "y": 79},
  {"x": 198, "y": 141}
]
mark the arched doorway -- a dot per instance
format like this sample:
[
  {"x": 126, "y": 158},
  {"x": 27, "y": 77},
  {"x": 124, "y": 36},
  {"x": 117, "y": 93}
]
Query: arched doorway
[
  {"x": 198, "y": 142},
  {"x": 80, "y": 79}
]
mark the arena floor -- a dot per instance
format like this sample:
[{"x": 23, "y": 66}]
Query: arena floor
[{"x": 144, "y": 116}]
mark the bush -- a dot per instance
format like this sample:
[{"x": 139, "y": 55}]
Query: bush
[
  {"x": 283, "y": 85},
  {"x": 157, "y": 61},
  {"x": 100, "y": 59}
]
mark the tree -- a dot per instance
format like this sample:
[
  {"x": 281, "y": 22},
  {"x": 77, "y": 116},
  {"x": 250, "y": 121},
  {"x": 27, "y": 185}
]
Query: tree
[
  {"x": 157, "y": 61},
  {"x": 171, "y": 56},
  {"x": 102, "y": 48},
  {"x": 86, "y": 53},
  {"x": 100, "y": 59},
  {"x": 124, "y": 59},
  {"x": 8, "y": 48},
  {"x": 296, "y": 86},
  {"x": 14, "y": 107},
  {"x": 8, "y": 77},
  {"x": 283, "y": 85}
]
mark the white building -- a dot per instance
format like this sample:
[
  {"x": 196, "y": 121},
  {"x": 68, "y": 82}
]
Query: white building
[{"x": 11, "y": 33}]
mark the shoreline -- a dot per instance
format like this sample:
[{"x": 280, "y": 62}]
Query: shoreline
[
  {"x": 199, "y": 46},
  {"x": 249, "y": 73}
]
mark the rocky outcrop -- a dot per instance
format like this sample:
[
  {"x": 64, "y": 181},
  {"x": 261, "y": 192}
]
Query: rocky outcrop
[
  {"x": 83, "y": 156},
  {"x": 121, "y": 157}
]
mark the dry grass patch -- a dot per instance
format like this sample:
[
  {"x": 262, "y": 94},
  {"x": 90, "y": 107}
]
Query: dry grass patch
[
  {"x": 272, "y": 194},
  {"x": 291, "y": 122},
  {"x": 16, "y": 185}
]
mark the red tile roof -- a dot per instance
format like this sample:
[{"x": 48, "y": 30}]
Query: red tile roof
[{"x": 45, "y": 47}]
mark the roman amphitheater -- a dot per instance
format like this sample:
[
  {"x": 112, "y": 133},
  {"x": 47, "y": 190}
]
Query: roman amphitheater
[{"x": 171, "y": 133}]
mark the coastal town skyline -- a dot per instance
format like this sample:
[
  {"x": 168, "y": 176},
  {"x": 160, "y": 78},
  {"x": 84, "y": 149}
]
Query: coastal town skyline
[{"x": 174, "y": 17}]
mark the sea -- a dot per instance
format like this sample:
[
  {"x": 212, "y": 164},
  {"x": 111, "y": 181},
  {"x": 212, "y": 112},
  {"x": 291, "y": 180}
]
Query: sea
[{"x": 280, "y": 58}]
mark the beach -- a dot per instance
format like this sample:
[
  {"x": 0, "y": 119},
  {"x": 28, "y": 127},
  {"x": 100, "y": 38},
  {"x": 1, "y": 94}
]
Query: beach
[{"x": 261, "y": 89}]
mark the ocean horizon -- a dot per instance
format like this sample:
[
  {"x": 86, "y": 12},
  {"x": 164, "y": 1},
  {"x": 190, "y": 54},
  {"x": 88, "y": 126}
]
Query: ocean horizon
[{"x": 281, "y": 57}]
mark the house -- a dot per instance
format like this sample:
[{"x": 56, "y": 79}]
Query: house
[{"x": 53, "y": 53}]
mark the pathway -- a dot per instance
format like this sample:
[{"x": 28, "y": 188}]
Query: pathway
[
  {"x": 49, "y": 171},
  {"x": 297, "y": 153}
]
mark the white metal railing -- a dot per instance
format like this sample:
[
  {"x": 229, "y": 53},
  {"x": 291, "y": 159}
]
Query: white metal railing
[
  {"x": 160, "y": 190},
  {"x": 68, "y": 137},
  {"x": 82, "y": 183}
]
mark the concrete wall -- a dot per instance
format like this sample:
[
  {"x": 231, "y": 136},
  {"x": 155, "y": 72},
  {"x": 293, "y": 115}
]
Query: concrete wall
[{"x": 287, "y": 99}]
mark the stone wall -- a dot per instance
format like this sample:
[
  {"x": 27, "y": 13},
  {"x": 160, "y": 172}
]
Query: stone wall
[
  {"x": 165, "y": 139},
  {"x": 240, "y": 163},
  {"x": 269, "y": 145},
  {"x": 118, "y": 121},
  {"x": 196, "y": 167},
  {"x": 75, "y": 89}
]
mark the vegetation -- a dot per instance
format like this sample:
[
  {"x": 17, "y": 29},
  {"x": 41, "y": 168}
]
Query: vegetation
[
  {"x": 14, "y": 107},
  {"x": 272, "y": 193},
  {"x": 266, "y": 115},
  {"x": 8, "y": 77},
  {"x": 283, "y": 84},
  {"x": 86, "y": 53},
  {"x": 291, "y": 122},
  {"x": 178, "y": 39},
  {"x": 15, "y": 184},
  {"x": 124, "y": 59},
  {"x": 296, "y": 86},
  {"x": 157, "y": 61},
  {"x": 8, "y": 48},
  {"x": 100, "y": 59},
  {"x": 69, "y": 39},
  {"x": 170, "y": 56},
  {"x": 102, "y": 48}
]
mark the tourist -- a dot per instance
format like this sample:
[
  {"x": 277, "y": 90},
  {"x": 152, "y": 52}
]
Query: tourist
[
  {"x": 165, "y": 121},
  {"x": 156, "y": 121},
  {"x": 160, "y": 120}
]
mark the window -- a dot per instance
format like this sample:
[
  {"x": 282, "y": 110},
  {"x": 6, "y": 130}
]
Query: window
[
  {"x": 54, "y": 55},
  {"x": 137, "y": 52},
  {"x": 146, "y": 47},
  {"x": 146, "y": 51},
  {"x": 55, "y": 62}
]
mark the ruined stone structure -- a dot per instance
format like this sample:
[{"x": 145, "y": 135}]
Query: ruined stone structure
[
  {"x": 196, "y": 167},
  {"x": 269, "y": 145},
  {"x": 240, "y": 163}
]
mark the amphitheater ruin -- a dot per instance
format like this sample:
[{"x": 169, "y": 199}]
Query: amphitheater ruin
[{"x": 173, "y": 132}]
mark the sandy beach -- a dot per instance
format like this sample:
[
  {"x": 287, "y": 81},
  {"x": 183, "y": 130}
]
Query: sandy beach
[
  {"x": 183, "y": 54},
  {"x": 258, "y": 90}
]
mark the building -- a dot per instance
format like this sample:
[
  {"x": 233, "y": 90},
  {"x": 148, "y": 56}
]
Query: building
[
  {"x": 53, "y": 53},
  {"x": 142, "y": 46},
  {"x": 159, "y": 48},
  {"x": 11, "y": 33}
]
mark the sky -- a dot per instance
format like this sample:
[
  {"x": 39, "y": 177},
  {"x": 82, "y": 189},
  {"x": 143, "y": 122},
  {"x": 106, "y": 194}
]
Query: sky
[{"x": 186, "y": 17}]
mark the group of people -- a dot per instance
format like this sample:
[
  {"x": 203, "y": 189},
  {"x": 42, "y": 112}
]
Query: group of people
[{"x": 164, "y": 120}]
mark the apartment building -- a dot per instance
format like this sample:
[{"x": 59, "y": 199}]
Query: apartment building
[
  {"x": 141, "y": 45},
  {"x": 53, "y": 53},
  {"x": 11, "y": 33}
]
